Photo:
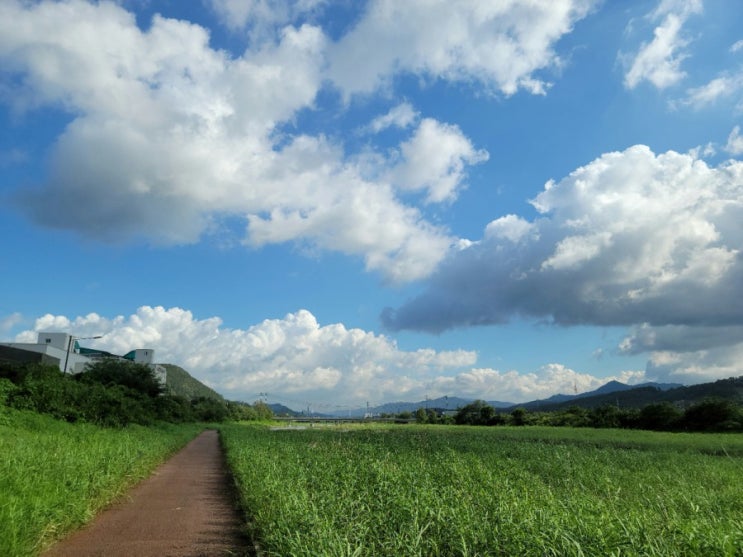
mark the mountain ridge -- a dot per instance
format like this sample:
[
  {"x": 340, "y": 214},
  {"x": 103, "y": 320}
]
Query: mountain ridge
[{"x": 612, "y": 392}]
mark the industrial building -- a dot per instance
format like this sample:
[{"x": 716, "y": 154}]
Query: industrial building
[{"x": 64, "y": 350}]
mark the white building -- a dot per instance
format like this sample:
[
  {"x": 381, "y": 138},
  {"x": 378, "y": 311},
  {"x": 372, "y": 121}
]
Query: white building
[{"x": 65, "y": 351}]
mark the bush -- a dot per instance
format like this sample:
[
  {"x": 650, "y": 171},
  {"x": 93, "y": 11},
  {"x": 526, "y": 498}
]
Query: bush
[
  {"x": 112, "y": 393},
  {"x": 713, "y": 415},
  {"x": 209, "y": 409},
  {"x": 138, "y": 377},
  {"x": 478, "y": 412},
  {"x": 662, "y": 416},
  {"x": 6, "y": 390}
]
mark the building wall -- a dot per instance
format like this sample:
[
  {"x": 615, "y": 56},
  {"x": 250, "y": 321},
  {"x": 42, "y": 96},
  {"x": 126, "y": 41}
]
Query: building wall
[{"x": 52, "y": 348}]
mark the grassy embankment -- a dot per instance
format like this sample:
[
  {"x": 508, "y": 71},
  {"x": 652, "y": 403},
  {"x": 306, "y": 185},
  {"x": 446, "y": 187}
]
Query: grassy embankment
[
  {"x": 54, "y": 476},
  {"x": 428, "y": 491}
]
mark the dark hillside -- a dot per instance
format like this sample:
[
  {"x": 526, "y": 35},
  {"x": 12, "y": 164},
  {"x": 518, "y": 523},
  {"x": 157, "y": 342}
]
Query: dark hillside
[
  {"x": 179, "y": 382},
  {"x": 639, "y": 397}
]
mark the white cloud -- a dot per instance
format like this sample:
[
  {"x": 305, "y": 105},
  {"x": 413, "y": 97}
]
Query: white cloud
[
  {"x": 400, "y": 116},
  {"x": 512, "y": 386},
  {"x": 434, "y": 160},
  {"x": 168, "y": 136},
  {"x": 10, "y": 321},
  {"x": 499, "y": 43},
  {"x": 722, "y": 87},
  {"x": 631, "y": 237},
  {"x": 261, "y": 15},
  {"x": 734, "y": 145},
  {"x": 296, "y": 359},
  {"x": 659, "y": 61},
  {"x": 699, "y": 366},
  {"x": 679, "y": 338},
  {"x": 292, "y": 357},
  {"x": 735, "y": 47},
  {"x": 510, "y": 227}
]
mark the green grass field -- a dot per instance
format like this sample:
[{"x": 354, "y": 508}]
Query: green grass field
[
  {"x": 54, "y": 476},
  {"x": 448, "y": 491}
]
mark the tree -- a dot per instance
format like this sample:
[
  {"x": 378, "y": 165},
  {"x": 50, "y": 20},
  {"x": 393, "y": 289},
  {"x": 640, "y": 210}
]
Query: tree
[
  {"x": 607, "y": 415},
  {"x": 518, "y": 416},
  {"x": 713, "y": 414},
  {"x": 662, "y": 416},
  {"x": 262, "y": 410},
  {"x": 478, "y": 412},
  {"x": 421, "y": 417},
  {"x": 208, "y": 409},
  {"x": 138, "y": 377}
]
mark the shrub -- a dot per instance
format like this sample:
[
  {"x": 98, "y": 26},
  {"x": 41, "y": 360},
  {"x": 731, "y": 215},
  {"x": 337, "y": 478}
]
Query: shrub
[{"x": 662, "y": 416}]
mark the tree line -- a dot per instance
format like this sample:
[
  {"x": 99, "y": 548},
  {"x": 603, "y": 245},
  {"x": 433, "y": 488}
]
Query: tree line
[
  {"x": 711, "y": 414},
  {"x": 112, "y": 393}
]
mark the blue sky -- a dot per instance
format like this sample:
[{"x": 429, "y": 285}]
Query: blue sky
[{"x": 341, "y": 202}]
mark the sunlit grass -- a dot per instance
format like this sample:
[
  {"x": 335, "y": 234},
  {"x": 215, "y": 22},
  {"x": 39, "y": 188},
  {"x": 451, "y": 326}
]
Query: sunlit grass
[
  {"x": 405, "y": 490},
  {"x": 54, "y": 476}
]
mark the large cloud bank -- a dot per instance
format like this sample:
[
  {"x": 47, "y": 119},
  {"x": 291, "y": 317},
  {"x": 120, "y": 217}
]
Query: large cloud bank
[
  {"x": 297, "y": 360},
  {"x": 631, "y": 238},
  {"x": 168, "y": 136}
]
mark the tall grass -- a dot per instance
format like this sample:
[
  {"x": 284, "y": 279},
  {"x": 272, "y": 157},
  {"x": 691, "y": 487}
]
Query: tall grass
[
  {"x": 428, "y": 491},
  {"x": 54, "y": 476}
]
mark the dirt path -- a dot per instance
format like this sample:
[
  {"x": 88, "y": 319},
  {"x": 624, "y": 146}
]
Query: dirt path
[{"x": 185, "y": 509}]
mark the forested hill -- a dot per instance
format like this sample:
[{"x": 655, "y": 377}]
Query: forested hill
[
  {"x": 727, "y": 389},
  {"x": 180, "y": 383}
]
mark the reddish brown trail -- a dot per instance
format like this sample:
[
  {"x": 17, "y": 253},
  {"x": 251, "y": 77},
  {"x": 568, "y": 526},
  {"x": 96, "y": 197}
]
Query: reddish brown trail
[{"x": 185, "y": 509}]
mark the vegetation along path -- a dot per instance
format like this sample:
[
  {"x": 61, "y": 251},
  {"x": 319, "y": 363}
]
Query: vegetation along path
[{"x": 185, "y": 508}]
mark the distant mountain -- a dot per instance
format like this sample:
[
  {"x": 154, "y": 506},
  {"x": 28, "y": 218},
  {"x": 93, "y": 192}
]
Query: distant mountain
[
  {"x": 442, "y": 403},
  {"x": 637, "y": 396},
  {"x": 281, "y": 410},
  {"x": 613, "y": 392},
  {"x": 608, "y": 388},
  {"x": 179, "y": 382}
]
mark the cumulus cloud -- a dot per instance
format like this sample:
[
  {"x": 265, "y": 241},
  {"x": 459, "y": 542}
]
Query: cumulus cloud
[
  {"x": 550, "y": 379},
  {"x": 632, "y": 237},
  {"x": 659, "y": 61},
  {"x": 687, "y": 354},
  {"x": 500, "y": 44},
  {"x": 722, "y": 87},
  {"x": 261, "y": 15},
  {"x": 296, "y": 359},
  {"x": 9, "y": 321},
  {"x": 400, "y": 116},
  {"x": 434, "y": 160},
  {"x": 293, "y": 356},
  {"x": 734, "y": 145},
  {"x": 679, "y": 338},
  {"x": 690, "y": 367},
  {"x": 168, "y": 136}
]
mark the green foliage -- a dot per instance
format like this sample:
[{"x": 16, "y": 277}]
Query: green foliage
[
  {"x": 209, "y": 410},
  {"x": 421, "y": 417},
  {"x": 518, "y": 416},
  {"x": 713, "y": 414},
  {"x": 136, "y": 377},
  {"x": 7, "y": 388},
  {"x": 111, "y": 393},
  {"x": 179, "y": 382},
  {"x": 54, "y": 476},
  {"x": 662, "y": 416},
  {"x": 452, "y": 491},
  {"x": 241, "y": 412},
  {"x": 262, "y": 410},
  {"x": 478, "y": 412}
]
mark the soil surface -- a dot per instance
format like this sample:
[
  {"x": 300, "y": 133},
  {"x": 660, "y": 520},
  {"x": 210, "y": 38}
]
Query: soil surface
[{"x": 185, "y": 509}]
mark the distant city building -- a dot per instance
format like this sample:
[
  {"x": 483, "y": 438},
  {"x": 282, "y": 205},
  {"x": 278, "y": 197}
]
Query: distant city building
[{"x": 63, "y": 350}]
